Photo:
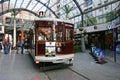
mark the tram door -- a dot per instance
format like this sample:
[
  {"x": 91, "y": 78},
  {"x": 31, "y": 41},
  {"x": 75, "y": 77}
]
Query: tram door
[
  {"x": 68, "y": 48},
  {"x": 43, "y": 35}
]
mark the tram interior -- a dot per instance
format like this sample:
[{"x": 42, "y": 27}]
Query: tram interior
[{"x": 45, "y": 33}]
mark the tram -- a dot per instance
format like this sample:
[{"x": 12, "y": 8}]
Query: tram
[{"x": 51, "y": 40}]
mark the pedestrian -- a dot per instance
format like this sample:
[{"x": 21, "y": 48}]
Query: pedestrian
[
  {"x": 0, "y": 47},
  {"x": 18, "y": 46},
  {"x": 9, "y": 44},
  {"x": 22, "y": 46},
  {"x": 6, "y": 45}
]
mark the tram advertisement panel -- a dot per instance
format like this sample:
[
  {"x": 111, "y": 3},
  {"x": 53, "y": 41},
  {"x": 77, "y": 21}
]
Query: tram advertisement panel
[{"x": 50, "y": 49}]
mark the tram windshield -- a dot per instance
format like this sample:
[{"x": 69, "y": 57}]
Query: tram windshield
[
  {"x": 69, "y": 34},
  {"x": 44, "y": 33},
  {"x": 58, "y": 33},
  {"x": 54, "y": 33}
]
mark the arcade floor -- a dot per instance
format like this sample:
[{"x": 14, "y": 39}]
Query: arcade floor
[{"x": 21, "y": 67}]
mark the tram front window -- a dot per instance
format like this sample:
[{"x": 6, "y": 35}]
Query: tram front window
[
  {"x": 59, "y": 33},
  {"x": 44, "y": 33},
  {"x": 69, "y": 34},
  {"x": 40, "y": 36}
]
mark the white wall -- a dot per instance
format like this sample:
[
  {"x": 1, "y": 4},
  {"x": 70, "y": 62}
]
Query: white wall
[
  {"x": 2, "y": 28},
  {"x": 100, "y": 27}
]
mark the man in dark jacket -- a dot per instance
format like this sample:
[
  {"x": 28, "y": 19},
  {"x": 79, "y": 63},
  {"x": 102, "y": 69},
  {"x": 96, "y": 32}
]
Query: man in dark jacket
[{"x": 22, "y": 46}]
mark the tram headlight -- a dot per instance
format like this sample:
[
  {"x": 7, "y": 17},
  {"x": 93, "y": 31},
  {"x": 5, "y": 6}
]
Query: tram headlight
[
  {"x": 71, "y": 59},
  {"x": 58, "y": 49},
  {"x": 37, "y": 62}
]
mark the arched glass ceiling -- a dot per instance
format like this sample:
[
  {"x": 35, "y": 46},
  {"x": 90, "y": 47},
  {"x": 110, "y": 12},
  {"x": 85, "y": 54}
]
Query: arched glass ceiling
[
  {"x": 34, "y": 6},
  {"x": 56, "y": 7}
]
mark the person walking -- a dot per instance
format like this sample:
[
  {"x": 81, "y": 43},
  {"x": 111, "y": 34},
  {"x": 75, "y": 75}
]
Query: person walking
[
  {"x": 22, "y": 46},
  {"x": 6, "y": 45},
  {"x": 18, "y": 45},
  {"x": 0, "y": 47}
]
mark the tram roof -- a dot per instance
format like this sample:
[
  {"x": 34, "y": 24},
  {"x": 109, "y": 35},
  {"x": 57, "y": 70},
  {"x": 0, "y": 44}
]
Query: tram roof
[{"x": 54, "y": 20}]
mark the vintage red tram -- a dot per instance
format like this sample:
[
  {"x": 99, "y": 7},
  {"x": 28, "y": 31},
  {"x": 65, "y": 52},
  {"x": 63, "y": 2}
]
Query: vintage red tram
[{"x": 51, "y": 40}]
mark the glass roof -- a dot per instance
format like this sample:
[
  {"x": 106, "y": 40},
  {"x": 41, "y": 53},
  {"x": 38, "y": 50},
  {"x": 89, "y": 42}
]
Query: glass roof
[{"x": 56, "y": 7}]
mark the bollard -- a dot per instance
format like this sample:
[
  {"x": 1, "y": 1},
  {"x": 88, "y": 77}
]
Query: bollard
[
  {"x": 101, "y": 56},
  {"x": 100, "y": 59}
]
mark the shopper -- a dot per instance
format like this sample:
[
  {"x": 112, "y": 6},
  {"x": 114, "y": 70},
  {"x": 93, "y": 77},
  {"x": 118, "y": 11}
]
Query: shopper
[
  {"x": 22, "y": 46},
  {"x": 0, "y": 47},
  {"x": 18, "y": 45},
  {"x": 6, "y": 45}
]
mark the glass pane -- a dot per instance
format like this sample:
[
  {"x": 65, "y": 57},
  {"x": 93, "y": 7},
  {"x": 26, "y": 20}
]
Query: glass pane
[
  {"x": 44, "y": 33},
  {"x": 58, "y": 32},
  {"x": 25, "y": 3},
  {"x": 32, "y": 4},
  {"x": 38, "y": 6},
  {"x": 18, "y": 3},
  {"x": 5, "y": 6},
  {"x": 69, "y": 34},
  {"x": 12, "y": 3}
]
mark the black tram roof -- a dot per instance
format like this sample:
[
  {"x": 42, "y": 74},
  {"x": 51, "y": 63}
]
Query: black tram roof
[{"x": 54, "y": 20}]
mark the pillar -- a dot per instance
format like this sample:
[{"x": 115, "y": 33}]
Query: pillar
[{"x": 14, "y": 34}]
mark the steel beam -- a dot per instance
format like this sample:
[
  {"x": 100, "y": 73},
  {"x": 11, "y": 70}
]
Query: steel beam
[
  {"x": 48, "y": 8},
  {"x": 109, "y": 3},
  {"x": 84, "y": 12},
  {"x": 53, "y": 5},
  {"x": 34, "y": 6},
  {"x": 15, "y": 3},
  {"x": 47, "y": 4},
  {"x": 18, "y": 9},
  {"x": 28, "y": 4},
  {"x": 41, "y": 7},
  {"x": 77, "y": 4},
  {"x": 9, "y": 5},
  {"x": 21, "y": 3}
]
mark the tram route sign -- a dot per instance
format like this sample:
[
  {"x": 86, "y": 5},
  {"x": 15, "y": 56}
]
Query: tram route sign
[{"x": 50, "y": 49}]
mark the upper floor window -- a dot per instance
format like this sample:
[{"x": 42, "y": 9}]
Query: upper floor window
[
  {"x": 89, "y": 14},
  {"x": 88, "y": 2},
  {"x": 105, "y": 1}
]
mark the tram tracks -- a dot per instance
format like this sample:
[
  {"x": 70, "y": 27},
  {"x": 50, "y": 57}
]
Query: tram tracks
[
  {"x": 79, "y": 74},
  {"x": 47, "y": 76},
  {"x": 64, "y": 66}
]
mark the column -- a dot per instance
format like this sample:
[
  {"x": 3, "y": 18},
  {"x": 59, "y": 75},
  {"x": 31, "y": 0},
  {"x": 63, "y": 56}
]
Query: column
[{"x": 14, "y": 34}]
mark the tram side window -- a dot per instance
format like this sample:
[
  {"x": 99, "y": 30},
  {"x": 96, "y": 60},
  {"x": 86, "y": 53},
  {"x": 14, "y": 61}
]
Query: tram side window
[
  {"x": 29, "y": 41},
  {"x": 69, "y": 34},
  {"x": 33, "y": 41},
  {"x": 40, "y": 36},
  {"x": 59, "y": 33},
  {"x": 44, "y": 33}
]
